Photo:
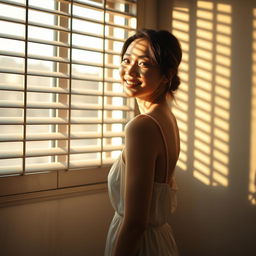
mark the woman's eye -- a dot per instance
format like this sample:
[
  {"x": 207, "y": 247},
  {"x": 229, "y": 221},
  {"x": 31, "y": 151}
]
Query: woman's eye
[
  {"x": 125, "y": 61},
  {"x": 143, "y": 64}
]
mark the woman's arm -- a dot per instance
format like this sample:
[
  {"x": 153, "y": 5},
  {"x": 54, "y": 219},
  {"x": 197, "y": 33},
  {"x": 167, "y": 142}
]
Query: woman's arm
[{"x": 140, "y": 157}]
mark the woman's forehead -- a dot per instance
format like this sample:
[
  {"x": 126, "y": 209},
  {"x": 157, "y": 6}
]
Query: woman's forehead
[{"x": 139, "y": 47}]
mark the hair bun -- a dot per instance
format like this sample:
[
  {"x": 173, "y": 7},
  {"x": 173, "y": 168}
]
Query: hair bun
[{"x": 175, "y": 82}]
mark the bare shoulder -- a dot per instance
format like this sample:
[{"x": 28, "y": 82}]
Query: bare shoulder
[
  {"x": 140, "y": 140},
  {"x": 141, "y": 125}
]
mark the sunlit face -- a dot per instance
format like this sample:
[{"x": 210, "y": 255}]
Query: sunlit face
[{"x": 141, "y": 77}]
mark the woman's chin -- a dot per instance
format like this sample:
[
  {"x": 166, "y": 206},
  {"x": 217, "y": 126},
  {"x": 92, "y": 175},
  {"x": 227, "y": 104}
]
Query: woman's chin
[{"x": 130, "y": 92}]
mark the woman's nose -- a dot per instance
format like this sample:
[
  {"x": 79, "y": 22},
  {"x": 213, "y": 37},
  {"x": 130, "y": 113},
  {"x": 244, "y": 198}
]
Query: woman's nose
[{"x": 132, "y": 69}]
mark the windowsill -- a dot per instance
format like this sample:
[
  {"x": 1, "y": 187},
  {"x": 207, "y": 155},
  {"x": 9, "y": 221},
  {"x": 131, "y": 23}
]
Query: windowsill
[
  {"x": 51, "y": 185},
  {"x": 53, "y": 194}
]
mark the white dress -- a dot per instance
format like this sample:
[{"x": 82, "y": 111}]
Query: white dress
[{"x": 158, "y": 238}]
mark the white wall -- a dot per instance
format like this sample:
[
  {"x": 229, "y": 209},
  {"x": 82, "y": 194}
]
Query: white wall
[
  {"x": 220, "y": 220},
  {"x": 61, "y": 227}
]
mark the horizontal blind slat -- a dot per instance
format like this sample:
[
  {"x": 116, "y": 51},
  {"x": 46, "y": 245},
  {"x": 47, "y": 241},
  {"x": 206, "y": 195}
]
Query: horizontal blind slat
[
  {"x": 32, "y": 120},
  {"x": 37, "y": 105},
  {"x": 35, "y": 24},
  {"x": 10, "y": 170},
  {"x": 33, "y": 168},
  {"x": 106, "y": 37},
  {"x": 56, "y": 43},
  {"x": 97, "y": 93},
  {"x": 89, "y": 135},
  {"x": 55, "y": 59},
  {"x": 81, "y": 3},
  {"x": 10, "y": 154},
  {"x": 42, "y": 89},
  {"x": 97, "y": 121},
  {"x": 34, "y": 73},
  {"x": 34, "y": 40},
  {"x": 58, "y": 136},
  {"x": 98, "y": 107},
  {"x": 37, "y": 8},
  {"x": 32, "y": 153},
  {"x": 58, "y": 28},
  {"x": 45, "y": 152},
  {"x": 90, "y": 163},
  {"x": 57, "y": 75},
  {"x": 74, "y": 91},
  {"x": 57, "y": 151},
  {"x": 95, "y": 21},
  {"x": 94, "y": 149},
  {"x": 33, "y": 56},
  {"x": 58, "y": 105},
  {"x": 33, "y": 137},
  {"x": 57, "y": 120}
]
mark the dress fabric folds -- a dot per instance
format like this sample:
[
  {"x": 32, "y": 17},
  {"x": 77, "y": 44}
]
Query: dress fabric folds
[{"x": 158, "y": 237}]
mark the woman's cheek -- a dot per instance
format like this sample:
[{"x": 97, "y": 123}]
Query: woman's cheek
[
  {"x": 121, "y": 72},
  {"x": 143, "y": 72}
]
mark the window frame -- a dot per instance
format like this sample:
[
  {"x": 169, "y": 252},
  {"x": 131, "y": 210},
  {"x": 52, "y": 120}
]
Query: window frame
[{"x": 53, "y": 183}]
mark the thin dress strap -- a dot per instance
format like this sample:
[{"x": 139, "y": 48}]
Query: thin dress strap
[{"x": 165, "y": 143}]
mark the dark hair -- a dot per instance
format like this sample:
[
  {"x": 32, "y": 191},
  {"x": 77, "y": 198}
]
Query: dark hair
[{"x": 165, "y": 50}]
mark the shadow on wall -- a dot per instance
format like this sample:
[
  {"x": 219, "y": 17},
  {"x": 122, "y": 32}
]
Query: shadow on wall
[{"x": 216, "y": 112}]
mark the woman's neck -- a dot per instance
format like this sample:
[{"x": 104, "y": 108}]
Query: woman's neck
[{"x": 148, "y": 107}]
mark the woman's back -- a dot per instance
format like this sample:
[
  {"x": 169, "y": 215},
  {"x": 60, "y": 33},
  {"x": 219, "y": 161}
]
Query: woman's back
[
  {"x": 169, "y": 145},
  {"x": 166, "y": 142}
]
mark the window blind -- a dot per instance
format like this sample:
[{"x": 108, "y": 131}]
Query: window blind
[{"x": 61, "y": 104}]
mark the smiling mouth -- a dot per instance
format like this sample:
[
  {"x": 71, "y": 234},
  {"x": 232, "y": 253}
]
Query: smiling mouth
[{"x": 131, "y": 84}]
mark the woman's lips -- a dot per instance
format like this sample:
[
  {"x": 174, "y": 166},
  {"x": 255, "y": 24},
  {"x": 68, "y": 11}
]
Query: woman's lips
[{"x": 132, "y": 84}]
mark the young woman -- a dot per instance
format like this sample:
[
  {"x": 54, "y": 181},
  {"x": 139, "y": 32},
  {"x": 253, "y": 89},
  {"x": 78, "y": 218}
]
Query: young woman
[{"x": 141, "y": 182}]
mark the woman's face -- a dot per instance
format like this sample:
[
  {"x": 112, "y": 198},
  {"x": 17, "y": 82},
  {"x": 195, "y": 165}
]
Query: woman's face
[{"x": 140, "y": 75}]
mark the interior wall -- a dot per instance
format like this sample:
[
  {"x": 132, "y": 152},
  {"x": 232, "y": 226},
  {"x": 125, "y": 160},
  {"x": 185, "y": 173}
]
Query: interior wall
[
  {"x": 147, "y": 14},
  {"x": 74, "y": 225},
  {"x": 219, "y": 219}
]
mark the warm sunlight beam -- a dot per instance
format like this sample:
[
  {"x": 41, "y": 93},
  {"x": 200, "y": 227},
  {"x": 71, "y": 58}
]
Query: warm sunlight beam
[
  {"x": 208, "y": 105},
  {"x": 222, "y": 96},
  {"x": 212, "y": 75},
  {"x": 203, "y": 92},
  {"x": 180, "y": 28}
]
